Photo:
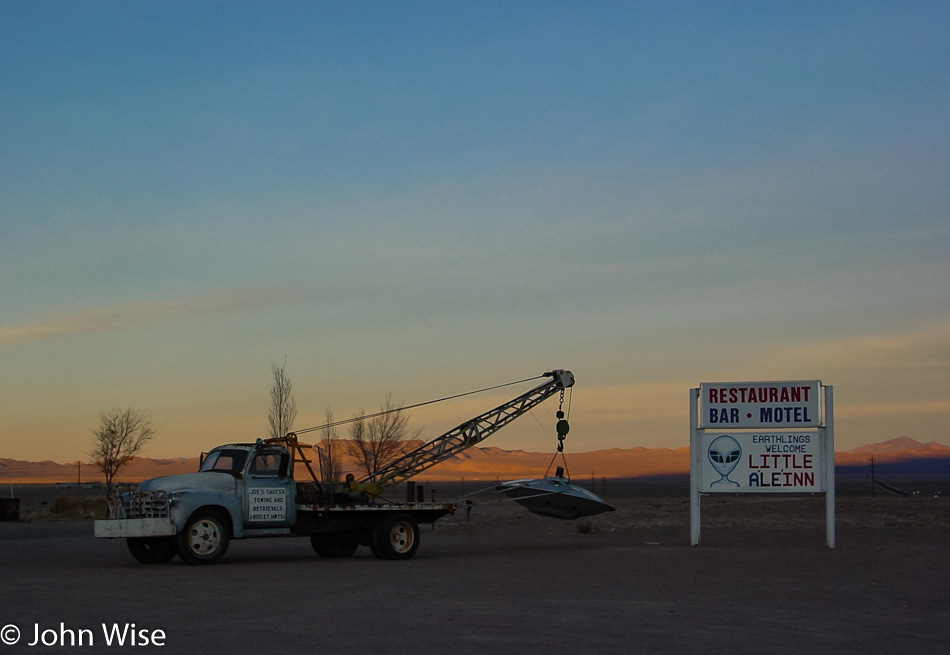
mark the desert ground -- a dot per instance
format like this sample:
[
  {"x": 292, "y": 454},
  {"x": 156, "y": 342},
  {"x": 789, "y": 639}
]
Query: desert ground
[{"x": 501, "y": 580}]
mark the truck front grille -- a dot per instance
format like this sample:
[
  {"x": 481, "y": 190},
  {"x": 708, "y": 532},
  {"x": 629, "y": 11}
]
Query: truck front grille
[{"x": 141, "y": 505}]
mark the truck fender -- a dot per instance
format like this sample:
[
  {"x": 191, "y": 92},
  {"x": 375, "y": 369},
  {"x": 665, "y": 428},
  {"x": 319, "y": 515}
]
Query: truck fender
[{"x": 185, "y": 504}]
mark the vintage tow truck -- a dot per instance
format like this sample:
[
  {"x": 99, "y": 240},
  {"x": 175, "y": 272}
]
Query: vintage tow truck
[{"x": 245, "y": 490}]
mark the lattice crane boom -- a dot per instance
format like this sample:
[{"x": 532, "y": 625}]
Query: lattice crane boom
[{"x": 469, "y": 433}]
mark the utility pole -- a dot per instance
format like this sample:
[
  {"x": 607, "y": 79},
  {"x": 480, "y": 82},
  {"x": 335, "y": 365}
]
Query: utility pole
[{"x": 873, "y": 482}]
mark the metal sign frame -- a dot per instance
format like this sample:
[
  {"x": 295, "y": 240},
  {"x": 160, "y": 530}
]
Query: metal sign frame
[{"x": 806, "y": 454}]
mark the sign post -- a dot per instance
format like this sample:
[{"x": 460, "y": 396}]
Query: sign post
[
  {"x": 829, "y": 434},
  {"x": 761, "y": 437}
]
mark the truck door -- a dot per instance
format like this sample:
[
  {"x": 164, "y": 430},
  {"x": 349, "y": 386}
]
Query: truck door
[{"x": 269, "y": 491}]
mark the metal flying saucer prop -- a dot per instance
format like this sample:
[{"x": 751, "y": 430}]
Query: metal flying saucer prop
[{"x": 555, "y": 497}]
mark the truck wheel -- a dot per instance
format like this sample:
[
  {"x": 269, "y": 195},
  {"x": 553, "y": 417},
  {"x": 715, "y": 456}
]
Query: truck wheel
[
  {"x": 152, "y": 550},
  {"x": 334, "y": 545},
  {"x": 396, "y": 537},
  {"x": 205, "y": 538}
]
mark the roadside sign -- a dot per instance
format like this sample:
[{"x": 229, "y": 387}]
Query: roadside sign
[{"x": 737, "y": 444}]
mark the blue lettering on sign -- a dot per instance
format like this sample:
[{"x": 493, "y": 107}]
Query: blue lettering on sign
[
  {"x": 788, "y": 479},
  {"x": 784, "y": 415},
  {"x": 726, "y": 415}
]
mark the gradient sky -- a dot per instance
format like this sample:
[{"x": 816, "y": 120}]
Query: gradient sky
[{"x": 425, "y": 198}]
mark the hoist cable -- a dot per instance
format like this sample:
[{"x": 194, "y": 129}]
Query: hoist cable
[
  {"x": 563, "y": 460},
  {"x": 399, "y": 409}
]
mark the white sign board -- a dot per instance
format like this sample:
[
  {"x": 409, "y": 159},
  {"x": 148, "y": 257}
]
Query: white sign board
[
  {"x": 783, "y": 462},
  {"x": 266, "y": 504},
  {"x": 727, "y": 405},
  {"x": 737, "y": 445}
]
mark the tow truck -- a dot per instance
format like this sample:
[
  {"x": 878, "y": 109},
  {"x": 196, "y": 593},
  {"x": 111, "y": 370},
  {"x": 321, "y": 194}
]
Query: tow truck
[{"x": 245, "y": 490}]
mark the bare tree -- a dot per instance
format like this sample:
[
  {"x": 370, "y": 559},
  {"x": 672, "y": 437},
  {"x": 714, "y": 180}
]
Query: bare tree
[
  {"x": 283, "y": 408},
  {"x": 121, "y": 434},
  {"x": 329, "y": 452},
  {"x": 376, "y": 441}
]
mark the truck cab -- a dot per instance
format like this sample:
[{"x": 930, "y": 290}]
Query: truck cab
[{"x": 262, "y": 483}]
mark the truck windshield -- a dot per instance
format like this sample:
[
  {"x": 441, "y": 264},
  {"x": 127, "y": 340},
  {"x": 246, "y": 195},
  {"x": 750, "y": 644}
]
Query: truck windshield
[{"x": 226, "y": 461}]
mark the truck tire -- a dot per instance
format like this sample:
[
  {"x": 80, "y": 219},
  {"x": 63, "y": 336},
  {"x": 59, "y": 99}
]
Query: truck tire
[
  {"x": 205, "y": 538},
  {"x": 152, "y": 550},
  {"x": 334, "y": 545},
  {"x": 395, "y": 537}
]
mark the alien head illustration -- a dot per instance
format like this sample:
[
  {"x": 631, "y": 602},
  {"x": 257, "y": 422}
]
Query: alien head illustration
[{"x": 724, "y": 453}]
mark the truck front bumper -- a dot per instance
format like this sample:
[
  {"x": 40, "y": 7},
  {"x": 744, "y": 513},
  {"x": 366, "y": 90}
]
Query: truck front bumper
[{"x": 117, "y": 528}]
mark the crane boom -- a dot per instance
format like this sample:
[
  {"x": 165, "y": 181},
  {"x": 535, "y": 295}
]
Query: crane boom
[{"x": 470, "y": 433}]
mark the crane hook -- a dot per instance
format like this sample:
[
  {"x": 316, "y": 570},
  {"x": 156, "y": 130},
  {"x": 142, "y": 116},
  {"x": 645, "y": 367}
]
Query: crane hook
[{"x": 562, "y": 427}]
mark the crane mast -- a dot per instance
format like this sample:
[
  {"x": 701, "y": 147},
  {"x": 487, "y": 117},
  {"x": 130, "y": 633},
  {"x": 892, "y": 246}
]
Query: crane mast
[{"x": 470, "y": 433}]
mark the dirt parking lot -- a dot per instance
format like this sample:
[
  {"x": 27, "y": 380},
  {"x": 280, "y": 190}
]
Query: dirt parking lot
[{"x": 510, "y": 582}]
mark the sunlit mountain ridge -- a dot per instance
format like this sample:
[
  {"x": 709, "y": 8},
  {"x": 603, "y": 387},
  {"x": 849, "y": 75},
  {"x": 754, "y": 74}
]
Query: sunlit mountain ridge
[{"x": 491, "y": 463}]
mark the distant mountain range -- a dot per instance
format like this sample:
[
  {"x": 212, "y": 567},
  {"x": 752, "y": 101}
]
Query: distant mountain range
[
  {"x": 900, "y": 458},
  {"x": 895, "y": 458}
]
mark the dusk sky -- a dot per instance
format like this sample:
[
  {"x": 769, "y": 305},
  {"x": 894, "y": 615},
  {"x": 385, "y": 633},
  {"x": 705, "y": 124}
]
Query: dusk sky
[{"x": 426, "y": 198}]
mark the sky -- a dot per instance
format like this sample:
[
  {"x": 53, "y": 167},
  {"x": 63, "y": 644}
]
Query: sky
[{"x": 420, "y": 199}]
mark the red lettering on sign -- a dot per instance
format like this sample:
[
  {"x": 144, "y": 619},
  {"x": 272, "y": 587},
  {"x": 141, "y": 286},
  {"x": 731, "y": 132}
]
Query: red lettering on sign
[{"x": 723, "y": 395}]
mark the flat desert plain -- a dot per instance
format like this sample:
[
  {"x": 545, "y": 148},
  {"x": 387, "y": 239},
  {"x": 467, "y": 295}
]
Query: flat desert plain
[{"x": 505, "y": 581}]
